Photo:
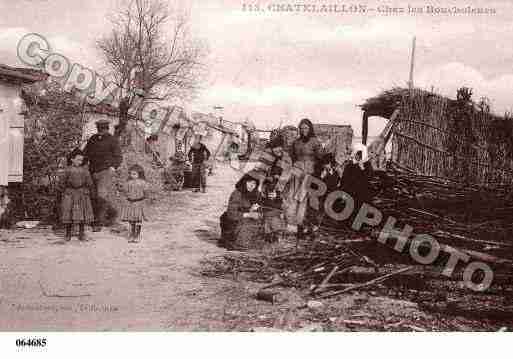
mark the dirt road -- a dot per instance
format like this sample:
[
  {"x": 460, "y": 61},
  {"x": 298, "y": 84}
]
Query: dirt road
[{"x": 109, "y": 284}]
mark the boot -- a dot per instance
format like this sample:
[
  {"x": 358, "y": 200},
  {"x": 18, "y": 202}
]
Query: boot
[
  {"x": 81, "y": 232},
  {"x": 131, "y": 232},
  {"x": 97, "y": 227},
  {"x": 300, "y": 232},
  {"x": 138, "y": 228},
  {"x": 67, "y": 235}
]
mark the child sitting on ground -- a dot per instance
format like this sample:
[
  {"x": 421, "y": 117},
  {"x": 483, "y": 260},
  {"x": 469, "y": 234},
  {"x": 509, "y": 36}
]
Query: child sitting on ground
[{"x": 175, "y": 172}]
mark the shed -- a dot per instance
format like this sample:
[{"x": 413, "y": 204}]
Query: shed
[
  {"x": 12, "y": 108},
  {"x": 433, "y": 135}
]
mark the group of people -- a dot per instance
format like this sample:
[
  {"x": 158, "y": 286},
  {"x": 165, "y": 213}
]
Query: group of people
[
  {"x": 88, "y": 182},
  {"x": 198, "y": 157},
  {"x": 275, "y": 200}
]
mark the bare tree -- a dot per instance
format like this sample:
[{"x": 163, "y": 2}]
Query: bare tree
[{"x": 149, "y": 37}]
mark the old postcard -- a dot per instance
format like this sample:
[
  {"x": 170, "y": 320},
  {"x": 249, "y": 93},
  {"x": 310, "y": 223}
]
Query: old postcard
[{"x": 255, "y": 166}]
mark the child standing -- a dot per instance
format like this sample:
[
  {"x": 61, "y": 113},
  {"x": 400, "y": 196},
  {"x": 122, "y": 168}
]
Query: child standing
[
  {"x": 76, "y": 207},
  {"x": 272, "y": 211},
  {"x": 136, "y": 190}
]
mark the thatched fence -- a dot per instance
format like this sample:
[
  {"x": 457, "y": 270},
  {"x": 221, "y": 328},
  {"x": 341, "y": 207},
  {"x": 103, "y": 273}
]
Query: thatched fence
[{"x": 454, "y": 139}]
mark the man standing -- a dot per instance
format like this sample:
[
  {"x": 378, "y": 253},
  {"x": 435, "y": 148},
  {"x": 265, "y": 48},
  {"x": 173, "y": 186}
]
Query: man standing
[
  {"x": 104, "y": 154},
  {"x": 198, "y": 155}
]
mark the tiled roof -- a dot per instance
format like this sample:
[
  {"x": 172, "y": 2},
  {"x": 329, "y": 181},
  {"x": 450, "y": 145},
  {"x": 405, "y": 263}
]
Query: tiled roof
[{"x": 21, "y": 75}]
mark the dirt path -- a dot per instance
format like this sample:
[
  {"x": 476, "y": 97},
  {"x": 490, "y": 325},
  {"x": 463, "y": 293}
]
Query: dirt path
[{"x": 109, "y": 284}]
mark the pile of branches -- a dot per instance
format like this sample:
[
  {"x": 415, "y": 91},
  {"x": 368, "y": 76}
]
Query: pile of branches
[
  {"x": 446, "y": 209},
  {"x": 339, "y": 259},
  {"x": 321, "y": 266}
]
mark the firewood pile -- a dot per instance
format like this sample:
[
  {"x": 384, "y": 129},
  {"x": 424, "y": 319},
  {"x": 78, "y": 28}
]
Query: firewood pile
[
  {"x": 320, "y": 266},
  {"x": 340, "y": 259},
  {"x": 465, "y": 214}
]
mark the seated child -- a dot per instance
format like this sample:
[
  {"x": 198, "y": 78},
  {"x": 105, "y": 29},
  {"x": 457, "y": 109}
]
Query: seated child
[{"x": 175, "y": 172}]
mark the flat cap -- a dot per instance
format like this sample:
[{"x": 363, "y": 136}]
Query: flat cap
[{"x": 103, "y": 122}]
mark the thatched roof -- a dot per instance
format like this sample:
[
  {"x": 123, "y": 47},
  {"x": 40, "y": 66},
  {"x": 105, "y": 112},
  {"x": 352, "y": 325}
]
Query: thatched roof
[{"x": 386, "y": 102}]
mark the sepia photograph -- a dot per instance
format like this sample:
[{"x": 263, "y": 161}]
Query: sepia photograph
[{"x": 255, "y": 166}]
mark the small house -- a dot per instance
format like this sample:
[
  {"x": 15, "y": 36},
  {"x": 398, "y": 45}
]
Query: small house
[{"x": 12, "y": 109}]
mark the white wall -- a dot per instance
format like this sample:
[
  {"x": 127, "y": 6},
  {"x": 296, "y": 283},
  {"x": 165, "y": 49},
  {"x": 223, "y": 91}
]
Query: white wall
[{"x": 11, "y": 134}]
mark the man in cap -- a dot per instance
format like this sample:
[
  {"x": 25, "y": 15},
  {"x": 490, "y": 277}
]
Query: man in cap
[{"x": 104, "y": 154}]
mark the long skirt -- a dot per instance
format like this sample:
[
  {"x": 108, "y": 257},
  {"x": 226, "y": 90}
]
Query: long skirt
[
  {"x": 133, "y": 212},
  {"x": 76, "y": 206},
  {"x": 199, "y": 175},
  {"x": 273, "y": 223},
  {"x": 243, "y": 234},
  {"x": 296, "y": 200}
]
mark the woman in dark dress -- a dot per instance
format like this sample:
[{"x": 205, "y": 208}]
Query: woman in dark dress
[
  {"x": 355, "y": 179},
  {"x": 240, "y": 224}
]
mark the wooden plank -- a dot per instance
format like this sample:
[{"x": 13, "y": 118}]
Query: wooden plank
[
  {"x": 16, "y": 141},
  {"x": 4, "y": 147}
]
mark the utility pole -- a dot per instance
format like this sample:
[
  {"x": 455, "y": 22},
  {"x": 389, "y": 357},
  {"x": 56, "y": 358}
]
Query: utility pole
[
  {"x": 412, "y": 64},
  {"x": 219, "y": 109}
]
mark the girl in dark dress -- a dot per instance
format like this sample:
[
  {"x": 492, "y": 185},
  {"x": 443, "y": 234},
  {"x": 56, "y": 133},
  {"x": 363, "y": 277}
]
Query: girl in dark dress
[
  {"x": 239, "y": 224},
  {"x": 76, "y": 207}
]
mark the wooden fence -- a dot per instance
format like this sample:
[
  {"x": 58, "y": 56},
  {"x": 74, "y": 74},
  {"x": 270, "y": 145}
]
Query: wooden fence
[{"x": 439, "y": 137}]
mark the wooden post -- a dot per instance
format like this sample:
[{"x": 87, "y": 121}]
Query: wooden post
[
  {"x": 412, "y": 64},
  {"x": 365, "y": 127}
]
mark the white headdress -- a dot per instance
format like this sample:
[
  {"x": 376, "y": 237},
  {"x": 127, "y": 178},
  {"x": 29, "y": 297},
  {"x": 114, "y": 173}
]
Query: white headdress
[{"x": 363, "y": 149}]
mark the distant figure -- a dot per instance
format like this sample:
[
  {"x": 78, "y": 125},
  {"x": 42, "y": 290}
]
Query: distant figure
[
  {"x": 136, "y": 190},
  {"x": 174, "y": 173},
  {"x": 199, "y": 155},
  {"x": 104, "y": 155},
  {"x": 239, "y": 224},
  {"x": 4, "y": 205},
  {"x": 76, "y": 207}
]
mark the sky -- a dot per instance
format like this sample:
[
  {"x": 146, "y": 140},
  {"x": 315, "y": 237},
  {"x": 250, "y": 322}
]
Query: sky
[{"x": 276, "y": 67}]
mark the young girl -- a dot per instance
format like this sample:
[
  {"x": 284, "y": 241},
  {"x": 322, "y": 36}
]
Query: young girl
[
  {"x": 272, "y": 211},
  {"x": 76, "y": 205},
  {"x": 136, "y": 190}
]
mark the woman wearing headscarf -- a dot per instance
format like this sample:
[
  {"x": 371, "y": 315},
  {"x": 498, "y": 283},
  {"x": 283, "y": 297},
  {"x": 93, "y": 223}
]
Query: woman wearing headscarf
[
  {"x": 239, "y": 224},
  {"x": 305, "y": 153},
  {"x": 356, "y": 176}
]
